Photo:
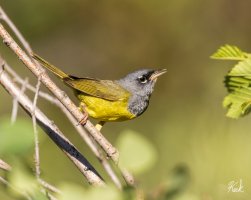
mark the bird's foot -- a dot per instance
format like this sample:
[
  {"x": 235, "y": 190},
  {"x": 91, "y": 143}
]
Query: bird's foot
[{"x": 82, "y": 108}]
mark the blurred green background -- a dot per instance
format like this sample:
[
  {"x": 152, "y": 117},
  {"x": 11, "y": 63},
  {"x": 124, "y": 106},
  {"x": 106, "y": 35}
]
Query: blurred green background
[{"x": 185, "y": 121}]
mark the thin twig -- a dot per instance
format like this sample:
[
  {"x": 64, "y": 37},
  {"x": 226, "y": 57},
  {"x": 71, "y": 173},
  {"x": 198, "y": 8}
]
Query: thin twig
[
  {"x": 36, "y": 141},
  {"x": 15, "y": 102},
  {"x": 53, "y": 132},
  {"x": 34, "y": 122},
  {"x": 49, "y": 98},
  {"x": 18, "y": 79}
]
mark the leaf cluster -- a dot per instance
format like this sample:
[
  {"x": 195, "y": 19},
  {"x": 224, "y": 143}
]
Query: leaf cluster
[{"x": 237, "y": 81}]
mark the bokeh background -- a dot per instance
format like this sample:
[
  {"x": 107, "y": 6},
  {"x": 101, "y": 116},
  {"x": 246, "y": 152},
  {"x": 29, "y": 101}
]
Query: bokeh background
[{"x": 185, "y": 121}]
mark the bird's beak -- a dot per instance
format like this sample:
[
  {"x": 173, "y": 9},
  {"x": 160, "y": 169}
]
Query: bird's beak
[{"x": 157, "y": 73}]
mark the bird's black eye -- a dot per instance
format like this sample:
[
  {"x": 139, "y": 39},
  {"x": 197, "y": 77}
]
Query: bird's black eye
[{"x": 142, "y": 79}]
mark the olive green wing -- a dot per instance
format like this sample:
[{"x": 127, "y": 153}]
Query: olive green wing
[{"x": 104, "y": 89}]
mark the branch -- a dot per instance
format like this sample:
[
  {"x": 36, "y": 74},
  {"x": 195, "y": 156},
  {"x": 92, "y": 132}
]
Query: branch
[
  {"x": 94, "y": 148},
  {"x": 129, "y": 179},
  {"x": 52, "y": 131},
  {"x": 36, "y": 141},
  {"x": 87, "y": 138},
  {"x": 39, "y": 72},
  {"x": 21, "y": 81}
]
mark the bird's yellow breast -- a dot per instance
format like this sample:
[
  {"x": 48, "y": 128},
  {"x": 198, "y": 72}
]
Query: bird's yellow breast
[{"x": 106, "y": 110}]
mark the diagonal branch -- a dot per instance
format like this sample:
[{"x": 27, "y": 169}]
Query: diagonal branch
[
  {"x": 53, "y": 132},
  {"x": 87, "y": 138},
  {"x": 129, "y": 179},
  {"x": 38, "y": 71}
]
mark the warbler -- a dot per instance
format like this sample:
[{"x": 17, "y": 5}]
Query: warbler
[{"x": 110, "y": 100}]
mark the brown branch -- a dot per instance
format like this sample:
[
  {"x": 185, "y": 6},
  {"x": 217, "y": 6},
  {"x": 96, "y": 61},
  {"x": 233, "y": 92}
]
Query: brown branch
[
  {"x": 53, "y": 132},
  {"x": 129, "y": 179},
  {"x": 61, "y": 96},
  {"x": 94, "y": 148},
  {"x": 86, "y": 137}
]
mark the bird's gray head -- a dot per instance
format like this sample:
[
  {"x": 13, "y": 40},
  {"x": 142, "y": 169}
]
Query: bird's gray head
[{"x": 141, "y": 82}]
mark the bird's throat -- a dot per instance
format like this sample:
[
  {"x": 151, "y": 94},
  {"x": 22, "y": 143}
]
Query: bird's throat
[{"x": 138, "y": 104}]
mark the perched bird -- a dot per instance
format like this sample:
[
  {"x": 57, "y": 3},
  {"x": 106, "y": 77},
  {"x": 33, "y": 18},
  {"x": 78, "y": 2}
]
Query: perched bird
[{"x": 110, "y": 100}]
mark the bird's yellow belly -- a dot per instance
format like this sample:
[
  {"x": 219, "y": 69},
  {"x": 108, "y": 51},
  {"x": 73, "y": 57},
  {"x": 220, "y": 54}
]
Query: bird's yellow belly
[{"x": 105, "y": 110}]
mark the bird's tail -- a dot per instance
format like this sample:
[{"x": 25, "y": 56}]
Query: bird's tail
[{"x": 50, "y": 67}]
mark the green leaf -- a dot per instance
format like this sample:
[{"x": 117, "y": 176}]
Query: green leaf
[
  {"x": 242, "y": 69},
  {"x": 15, "y": 138},
  {"x": 229, "y": 52},
  {"x": 237, "y": 81},
  {"x": 22, "y": 180},
  {"x": 137, "y": 154},
  {"x": 76, "y": 192},
  {"x": 24, "y": 183}
]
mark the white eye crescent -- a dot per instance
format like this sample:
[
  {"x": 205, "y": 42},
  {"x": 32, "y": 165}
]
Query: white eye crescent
[{"x": 142, "y": 79}]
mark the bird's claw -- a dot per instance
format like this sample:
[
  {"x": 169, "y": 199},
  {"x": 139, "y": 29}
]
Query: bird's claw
[{"x": 85, "y": 118}]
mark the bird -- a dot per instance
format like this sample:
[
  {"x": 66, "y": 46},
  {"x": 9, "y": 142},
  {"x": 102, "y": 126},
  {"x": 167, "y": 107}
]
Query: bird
[{"x": 110, "y": 100}]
